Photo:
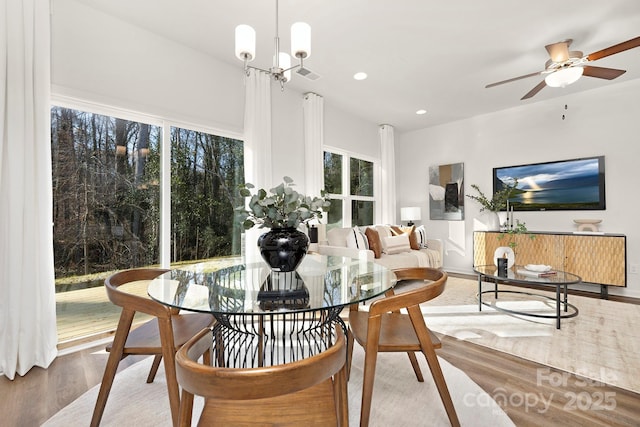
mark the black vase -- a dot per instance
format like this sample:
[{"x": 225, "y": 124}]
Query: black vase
[{"x": 283, "y": 248}]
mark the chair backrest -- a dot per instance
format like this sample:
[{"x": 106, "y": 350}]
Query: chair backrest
[
  {"x": 254, "y": 383},
  {"x": 291, "y": 381},
  {"x": 132, "y": 301},
  {"x": 434, "y": 283}
]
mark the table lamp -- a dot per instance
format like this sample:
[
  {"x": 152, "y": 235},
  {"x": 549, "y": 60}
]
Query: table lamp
[{"x": 410, "y": 214}]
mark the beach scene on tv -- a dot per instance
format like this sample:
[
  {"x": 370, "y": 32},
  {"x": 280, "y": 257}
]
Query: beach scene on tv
[{"x": 562, "y": 185}]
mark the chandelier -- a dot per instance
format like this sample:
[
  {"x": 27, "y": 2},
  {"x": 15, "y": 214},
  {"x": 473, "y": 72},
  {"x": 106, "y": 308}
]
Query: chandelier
[{"x": 281, "y": 70}]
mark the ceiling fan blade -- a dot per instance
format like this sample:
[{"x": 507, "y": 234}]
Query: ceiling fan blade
[
  {"x": 559, "y": 52},
  {"x": 601, "y": 72},
  {"x": 611, "y": 50},
  {"x": 534, "y": 91},
  {"x": 514, "y": 79}
]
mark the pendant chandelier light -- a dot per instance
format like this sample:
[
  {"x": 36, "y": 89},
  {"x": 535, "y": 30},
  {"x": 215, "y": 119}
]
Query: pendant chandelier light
[{"x": 281, "y": 69}]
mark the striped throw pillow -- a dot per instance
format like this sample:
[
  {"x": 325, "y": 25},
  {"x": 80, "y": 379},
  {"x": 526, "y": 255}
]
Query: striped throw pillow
[
  {"x": 421, "y": 233},
  {"x": 356, "y": 239}
]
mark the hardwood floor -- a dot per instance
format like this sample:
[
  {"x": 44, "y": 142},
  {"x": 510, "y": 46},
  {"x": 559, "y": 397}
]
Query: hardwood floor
[
  {"x": 525, "y": 387},
  {"x": 535, "y": 394}
]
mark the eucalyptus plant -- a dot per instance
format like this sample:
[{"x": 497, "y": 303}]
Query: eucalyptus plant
[{"x": 281, "y": 207}]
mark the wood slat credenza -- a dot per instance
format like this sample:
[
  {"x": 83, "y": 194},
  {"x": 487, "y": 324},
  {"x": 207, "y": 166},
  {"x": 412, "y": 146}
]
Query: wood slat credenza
[{"x": 599, "y": 259}]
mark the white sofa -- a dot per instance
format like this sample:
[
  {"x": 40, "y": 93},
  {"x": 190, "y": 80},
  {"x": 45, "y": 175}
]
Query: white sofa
[{"x": 336, "y": 244}]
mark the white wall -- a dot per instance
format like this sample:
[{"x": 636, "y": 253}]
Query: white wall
[
  {"x": 604, "y": 121},
  {"x": 101, "y": 59}
]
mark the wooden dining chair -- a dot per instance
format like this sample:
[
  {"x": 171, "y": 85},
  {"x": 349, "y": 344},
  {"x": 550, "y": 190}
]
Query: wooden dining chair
[
  {"x": 161, "y": 336},
  {"x": 384, "y": 328},
  {"x": 307, "y": 392}
]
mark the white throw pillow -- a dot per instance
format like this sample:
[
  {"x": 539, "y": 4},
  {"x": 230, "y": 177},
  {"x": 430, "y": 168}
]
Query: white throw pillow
[
  {"x": 356, "y": 239},
  {"x": 384, "y": 231},
  {"x": 422, "y": 236},
  {"x": 395, "y": 244}
]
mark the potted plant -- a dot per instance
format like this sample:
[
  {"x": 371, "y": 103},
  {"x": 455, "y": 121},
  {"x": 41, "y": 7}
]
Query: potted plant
[
  {"x": 282, "y": 209},
  {"x": 494, "y": 204},
  {"x": 510, "y": 234}
]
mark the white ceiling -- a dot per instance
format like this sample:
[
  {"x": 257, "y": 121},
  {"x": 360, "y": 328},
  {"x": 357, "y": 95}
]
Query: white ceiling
[{"x": 436, "y": 55}]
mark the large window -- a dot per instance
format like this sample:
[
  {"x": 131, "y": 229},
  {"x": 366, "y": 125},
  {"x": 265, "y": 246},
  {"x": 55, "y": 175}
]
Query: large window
[
  {"x": 350, "y": 183},
  {"x": 105, "y": 192},
  {"x": 107, "y": 206},
  {"x": 205, "y": 173}
]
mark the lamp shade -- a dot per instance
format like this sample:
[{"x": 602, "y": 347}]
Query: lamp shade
[
  {"x": 410, "y": 214},
  {"x": 300, "y": 40},
  {"x": 563, "y": 77},
  {"x": 245, "y": 42},
  {"x": 284, "y": 62}
]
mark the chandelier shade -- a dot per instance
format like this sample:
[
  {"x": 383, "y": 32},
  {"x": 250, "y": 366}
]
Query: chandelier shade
[
  {"x": 245, "y": 43},
  {"x": 301, "y": 40},
  {"x": 564, "y": 77},
  {"x": 281, "y": 70},
  {"x": 284, "y": 62}
]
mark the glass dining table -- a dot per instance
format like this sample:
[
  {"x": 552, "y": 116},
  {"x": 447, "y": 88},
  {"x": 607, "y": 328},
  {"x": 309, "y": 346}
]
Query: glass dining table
[{"x": 266, "y": 317}]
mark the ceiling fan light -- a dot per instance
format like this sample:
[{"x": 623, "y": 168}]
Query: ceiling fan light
[
  {"x": 301, "y": 40},
  {"x": 564, "y": 77},
  {"x": 245, "y": 43}
]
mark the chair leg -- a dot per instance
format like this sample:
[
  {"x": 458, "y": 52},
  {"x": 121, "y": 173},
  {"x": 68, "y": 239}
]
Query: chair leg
[
  {"x": 341, "y": 396},
  {"x": 115, "y": 355},
  {"x": 416, "y": 367},
  {"x": 186, "y": 409},
  {"x": 154, "y": 368},
  {"x": 432, "y": 360},
  {"x": 370, "y": 358},
  {"x": 169, "y": 356},
  {"x": 350, "y": 342}
]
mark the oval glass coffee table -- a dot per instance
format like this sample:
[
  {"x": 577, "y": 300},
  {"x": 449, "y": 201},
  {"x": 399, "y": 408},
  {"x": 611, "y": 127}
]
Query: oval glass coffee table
[{"x": 519, "y": 276}]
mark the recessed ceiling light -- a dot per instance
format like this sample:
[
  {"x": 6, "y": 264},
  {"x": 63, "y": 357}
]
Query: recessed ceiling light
[
  {"x": 360, "y": 76},
  {"x": 421, "y": 112}
]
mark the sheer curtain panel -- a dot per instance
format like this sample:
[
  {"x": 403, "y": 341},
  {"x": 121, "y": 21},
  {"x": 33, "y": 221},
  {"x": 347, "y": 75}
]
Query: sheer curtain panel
[
  {"x": 388, "y": 174},
  {"x": 257, "y": 146},
  {"x": 313, "y": 112},
  {"x": 27, "y": 295}
]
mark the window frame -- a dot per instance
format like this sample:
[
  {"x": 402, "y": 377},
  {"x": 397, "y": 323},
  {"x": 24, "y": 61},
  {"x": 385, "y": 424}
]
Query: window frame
[
  {"x": 346, "y": 197},
  {"x": 165, "y": 124}
]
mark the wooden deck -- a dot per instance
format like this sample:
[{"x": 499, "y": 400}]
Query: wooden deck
[{"x": 87, "y": 315}]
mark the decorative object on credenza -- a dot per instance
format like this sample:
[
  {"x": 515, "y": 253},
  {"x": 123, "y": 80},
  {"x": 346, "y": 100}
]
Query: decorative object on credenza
[
  {"x": 446, "y": 192},
  {"x": 283, "y": 210},
  {"x": 588, "y": 225},
  {"x": 493, "y": 205},
  {"x": 410, "y": 214}
]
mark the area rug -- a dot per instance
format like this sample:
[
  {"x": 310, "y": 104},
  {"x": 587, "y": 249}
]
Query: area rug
[
  {"x": 601, "y": 343},
  {"x": 398, "y": 398}
]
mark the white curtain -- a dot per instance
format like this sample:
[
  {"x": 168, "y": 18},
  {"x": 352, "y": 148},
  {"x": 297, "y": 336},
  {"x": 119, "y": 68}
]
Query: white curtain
[
  {"x": 257, "y": 145},
  {"x": 27, "y": 296},
  {"x": 313, "y": 113},
  {"x": 388, "y": 174}
]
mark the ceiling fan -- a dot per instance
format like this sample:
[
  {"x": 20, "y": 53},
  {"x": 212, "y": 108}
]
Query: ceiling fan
[{"x": 565, "y": 67}]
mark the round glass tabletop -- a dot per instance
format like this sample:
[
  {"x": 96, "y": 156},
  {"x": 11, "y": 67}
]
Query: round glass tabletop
[{"x": 320, "y": 283}]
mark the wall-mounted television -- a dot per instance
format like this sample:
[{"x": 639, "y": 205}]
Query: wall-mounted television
[{"x": 571, "y": 185}]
